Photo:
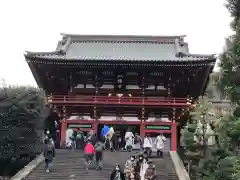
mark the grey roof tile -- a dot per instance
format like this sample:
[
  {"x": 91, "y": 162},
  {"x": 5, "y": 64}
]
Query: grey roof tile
[
  {"x": 118, "y": 48},
  {"x": 121, "y": 51}
]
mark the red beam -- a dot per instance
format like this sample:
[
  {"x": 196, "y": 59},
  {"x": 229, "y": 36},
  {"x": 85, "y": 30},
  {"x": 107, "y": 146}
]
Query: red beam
[
  {"x": 105, "y": 100},
  {"x": 160, "y": 105},
  {"x": 118, "y": 122},
  {"x": 112, "y": 97},
  {"x": 103, "y": 121}
]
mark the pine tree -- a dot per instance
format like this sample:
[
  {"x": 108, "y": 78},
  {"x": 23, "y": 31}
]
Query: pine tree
[
  {"x": 191, "y": 147},
  {"x": 197, "y": 133},
  {"x": 229, "y": 81},
  {"x": 223, "y": 162}
]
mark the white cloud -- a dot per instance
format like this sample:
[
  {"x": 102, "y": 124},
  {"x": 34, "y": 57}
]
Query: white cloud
[{"x": 36, "y": 25}]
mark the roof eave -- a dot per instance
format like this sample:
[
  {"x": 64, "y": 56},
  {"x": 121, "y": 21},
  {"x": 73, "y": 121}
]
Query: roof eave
[
  {"x": 62, "y": 58},
  {"x": 213, "y": 56},
  {"x": 29, "y": 54},
  {"x": 120, "y": 37}
]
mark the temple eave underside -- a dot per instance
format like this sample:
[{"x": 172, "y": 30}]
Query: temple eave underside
[{"x": 63, "y": 79}]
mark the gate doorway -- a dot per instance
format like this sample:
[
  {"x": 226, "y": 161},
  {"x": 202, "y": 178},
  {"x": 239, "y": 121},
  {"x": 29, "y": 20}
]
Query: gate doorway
[{"x": 120, "y": 129}]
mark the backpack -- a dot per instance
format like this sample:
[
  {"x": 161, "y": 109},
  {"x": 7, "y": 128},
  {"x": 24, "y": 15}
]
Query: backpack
[
  {"x": 74, "y": 134},
  {"x": 79, "y": 136},
  {"x": 136, "y": 140},
  {"x": 99, "y": 147},
  {"x": 119, "y": 139},
  {"x": 49, "y": 147}
]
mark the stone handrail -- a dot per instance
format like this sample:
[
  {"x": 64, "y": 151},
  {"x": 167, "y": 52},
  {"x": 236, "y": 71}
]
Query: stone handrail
[
  {"x": 24, "y": 172},
  {"x": 179, "y": 167}
]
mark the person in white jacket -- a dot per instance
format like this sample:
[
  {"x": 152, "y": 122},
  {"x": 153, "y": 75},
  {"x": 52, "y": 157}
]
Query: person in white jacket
[
  {"x": 129, "y": 139},
  {"x": 148, "y": 145},
  {"x": 143, "y": 168},
  {"x": 160, "y": 142}
]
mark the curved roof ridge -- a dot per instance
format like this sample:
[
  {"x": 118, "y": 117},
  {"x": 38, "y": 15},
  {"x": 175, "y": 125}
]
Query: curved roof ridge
[
  {"x": 128, "y": 37},
  {"x": 31, "y": 53},
  {"x": 49, "y": 52}
]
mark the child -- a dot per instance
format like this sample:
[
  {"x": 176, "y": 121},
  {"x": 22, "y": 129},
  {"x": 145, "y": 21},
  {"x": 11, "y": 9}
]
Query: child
[{"x": 89, "y": 153}]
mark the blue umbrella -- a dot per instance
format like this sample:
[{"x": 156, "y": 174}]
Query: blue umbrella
[{"x": 105, "y": 130}]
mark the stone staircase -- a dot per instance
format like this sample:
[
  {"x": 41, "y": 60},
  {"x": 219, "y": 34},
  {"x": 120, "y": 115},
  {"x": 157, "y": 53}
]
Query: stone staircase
[
  {"x": 165, "y": 168},
  {"x": 68, "y": 162}
]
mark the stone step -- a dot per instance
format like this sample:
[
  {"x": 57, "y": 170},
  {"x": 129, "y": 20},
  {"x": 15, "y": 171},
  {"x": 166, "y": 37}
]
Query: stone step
[{"x": 68, "y": 162}]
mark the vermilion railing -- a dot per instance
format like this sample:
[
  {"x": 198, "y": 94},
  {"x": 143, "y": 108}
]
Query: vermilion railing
[{"x": 104, "y": 100}]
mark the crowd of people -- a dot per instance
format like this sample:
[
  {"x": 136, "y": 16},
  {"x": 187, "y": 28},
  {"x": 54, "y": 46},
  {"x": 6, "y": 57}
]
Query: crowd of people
[
  {"x": 118, "y": 142},
  {"x": 136, "y": 167}
]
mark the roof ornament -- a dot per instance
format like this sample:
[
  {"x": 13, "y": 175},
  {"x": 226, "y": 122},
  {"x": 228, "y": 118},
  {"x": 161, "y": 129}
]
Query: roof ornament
[
  {"x": 179, "y": 43},
  {"x": 119, "y": 81},
  {"x": 28, "y": 54},
  {"x": 63, "y": 44},
  {"x": 25, "y": 53},
  {"x": 64, "y": 40}
]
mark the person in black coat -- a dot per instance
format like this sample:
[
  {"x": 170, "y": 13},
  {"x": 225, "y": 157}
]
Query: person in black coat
[
  {"x": 117, "y": 174},
  {"x": 49, "y": 153},
  {"x": 94, "y": 139},
  {"x": 139, "y": 162},
  {"x": 114, "y": 142}
]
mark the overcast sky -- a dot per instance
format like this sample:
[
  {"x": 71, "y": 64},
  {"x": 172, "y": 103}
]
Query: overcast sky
[{"x": 35, "y": 25}]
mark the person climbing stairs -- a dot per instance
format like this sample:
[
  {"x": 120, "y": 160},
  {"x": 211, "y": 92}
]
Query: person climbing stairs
[{"x": 71, "y": 163}]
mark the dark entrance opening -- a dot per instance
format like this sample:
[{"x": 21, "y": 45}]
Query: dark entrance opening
[{"x": 120, "y": 129}]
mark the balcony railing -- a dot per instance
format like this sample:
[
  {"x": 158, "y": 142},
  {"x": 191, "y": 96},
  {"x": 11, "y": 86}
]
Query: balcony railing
[{"x": 111, "y": 100}]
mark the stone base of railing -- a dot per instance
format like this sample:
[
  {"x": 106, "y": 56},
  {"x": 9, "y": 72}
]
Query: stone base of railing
[
  {"x": 179, "y": 167},
  {"x": 24, "y": 172}
]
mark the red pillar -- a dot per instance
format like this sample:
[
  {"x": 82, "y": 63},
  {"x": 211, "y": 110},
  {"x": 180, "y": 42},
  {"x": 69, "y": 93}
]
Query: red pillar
[
  {"x": 142, "y": 129},
  {"x": 174, "y": 136},
  {"x": 63, "y": 133},
  {"x": 95, "y": 126}
]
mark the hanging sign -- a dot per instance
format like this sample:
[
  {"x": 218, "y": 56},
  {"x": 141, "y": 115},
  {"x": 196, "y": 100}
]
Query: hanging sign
[
  {"x": 158, "y": 127},
  {"x": 79, "y": 126}
]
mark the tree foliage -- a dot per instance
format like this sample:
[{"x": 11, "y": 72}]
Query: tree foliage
[
  {"x": 230, "y": 63},
  {"x": 209, "y": 160},
  {"x": 22, "y": 115},
  {"x": 223, "y": 163},
  {"x": 229, "y": 81},
  {"x": 197, "y": 135}
]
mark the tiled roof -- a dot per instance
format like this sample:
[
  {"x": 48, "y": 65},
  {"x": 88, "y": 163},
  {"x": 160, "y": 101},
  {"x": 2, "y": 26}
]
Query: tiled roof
[
  {"x": 128, "y": 48},
  {"x": 56, "y": 56},
  {"x": 121, "y": 51}
]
